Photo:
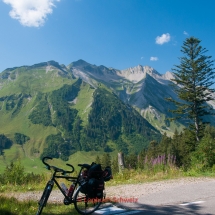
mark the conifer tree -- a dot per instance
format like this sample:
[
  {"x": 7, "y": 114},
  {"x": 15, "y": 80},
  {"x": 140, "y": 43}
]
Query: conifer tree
[
  {"x": 106, "y": 160},
  {"x": 5, "y": 143},
  {"x": 165, "y": 146},
  {"x": 131, "y": 161},
  {"x": 194, "y": 78},
  {"x": 152, "y": 151},
  {"x": 115, "y": 166},
  {"x": 141, "y": 158}
]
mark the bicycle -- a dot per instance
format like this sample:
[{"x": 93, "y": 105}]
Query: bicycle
[{"x": 83, "y": 204}]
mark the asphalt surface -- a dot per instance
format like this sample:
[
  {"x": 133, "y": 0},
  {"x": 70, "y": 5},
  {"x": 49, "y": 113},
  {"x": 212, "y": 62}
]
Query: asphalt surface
[{"x": 189, "y": 199}]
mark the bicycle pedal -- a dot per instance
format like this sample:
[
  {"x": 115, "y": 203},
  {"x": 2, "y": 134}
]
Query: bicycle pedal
[{"x": 66, "y": 202}]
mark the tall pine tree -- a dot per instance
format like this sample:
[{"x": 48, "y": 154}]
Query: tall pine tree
[
  {"x": 106, "y": 160},
  {"x": 194, "y": 78}
]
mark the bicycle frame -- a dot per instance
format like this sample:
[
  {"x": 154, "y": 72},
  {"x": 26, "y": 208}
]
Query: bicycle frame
[
  {"x": 69, "y": 178},
  {"x": 77, "y": 197}
]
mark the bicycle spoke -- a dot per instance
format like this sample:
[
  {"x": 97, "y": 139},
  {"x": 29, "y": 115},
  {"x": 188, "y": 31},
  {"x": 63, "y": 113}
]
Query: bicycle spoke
[{"x": 85, "y": 205}]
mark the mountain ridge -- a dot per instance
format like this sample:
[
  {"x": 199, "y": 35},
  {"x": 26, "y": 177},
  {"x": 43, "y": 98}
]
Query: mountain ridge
[
  {"x": 82, "y": 110},
  {"x": 141, "y": 86},
  {"x": 60, "y": 110},
  {"x": 60, "y": 114}
]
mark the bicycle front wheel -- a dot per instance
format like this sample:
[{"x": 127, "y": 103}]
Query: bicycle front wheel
[
  {"x": 44, "y": 198},
  {"x": 85, "y": 205}
]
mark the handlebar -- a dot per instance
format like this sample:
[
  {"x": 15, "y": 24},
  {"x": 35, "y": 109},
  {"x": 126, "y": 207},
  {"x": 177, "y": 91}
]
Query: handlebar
[
  {"x": 56, "y": 169},
  {"x": 47, "y": 165}
]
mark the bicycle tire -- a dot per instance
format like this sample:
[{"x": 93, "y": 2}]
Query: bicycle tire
[
  {"x": 44, "y": 198},
  {"x": 85, "y": 205}
]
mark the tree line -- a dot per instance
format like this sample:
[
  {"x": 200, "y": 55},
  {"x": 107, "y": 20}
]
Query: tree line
[
  {"x": 6, "y": 143},
  {"x": 195, "y": 146}
]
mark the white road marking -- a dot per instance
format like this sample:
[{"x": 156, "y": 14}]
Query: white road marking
[
  {"x": 192, "y": 203},
  {"x": 114, "y": 210},
  {"x": 109, "y": 210}
]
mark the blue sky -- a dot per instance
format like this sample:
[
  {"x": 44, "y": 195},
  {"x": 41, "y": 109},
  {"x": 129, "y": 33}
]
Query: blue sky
[{"x": 113, "y": 33}]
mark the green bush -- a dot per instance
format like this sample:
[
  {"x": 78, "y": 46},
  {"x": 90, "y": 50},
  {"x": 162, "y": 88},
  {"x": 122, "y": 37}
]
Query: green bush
[
  {"x": 5, "y": 143},
  {"x": 213, "y": 168},
  {"x": 14, "y": 174},
  {"x": 21, "y": 138},
  {"x": 204, "y": 156}
]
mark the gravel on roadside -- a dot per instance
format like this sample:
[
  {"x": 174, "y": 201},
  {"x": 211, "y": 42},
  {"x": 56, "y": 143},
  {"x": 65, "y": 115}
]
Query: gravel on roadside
[{"x": 124, "y": 191}]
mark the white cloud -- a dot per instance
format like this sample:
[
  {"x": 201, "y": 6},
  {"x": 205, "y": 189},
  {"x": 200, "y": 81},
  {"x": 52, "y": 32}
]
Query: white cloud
[
  {"x": 31, "y": 13},
  {"x": 185, "y": 33},
  {"x": 164, "y": 38},
  {"x": 153, "y": 58},
  {"x": 142, "y": 58}
]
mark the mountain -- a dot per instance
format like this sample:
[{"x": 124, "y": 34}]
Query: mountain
[
  {"x": 141, "y": 87},
  {"x": 56, "y": 110},
  {"x": 46, "y": 109}
]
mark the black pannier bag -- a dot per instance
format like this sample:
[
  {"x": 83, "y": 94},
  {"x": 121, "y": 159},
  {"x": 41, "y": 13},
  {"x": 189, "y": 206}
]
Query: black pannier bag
[
  {"x": 84, "y": 187},
  {"x": 107, "y": 173},
  {"x": 95, "y": 188},
  {"x": 95, "y": 171},
  {"x": 92, "y": 180},
  {"x": 87, "y": 180}
]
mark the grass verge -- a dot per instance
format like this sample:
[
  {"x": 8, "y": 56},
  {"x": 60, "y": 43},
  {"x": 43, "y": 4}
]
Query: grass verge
[{"x": 11, "y": 206}]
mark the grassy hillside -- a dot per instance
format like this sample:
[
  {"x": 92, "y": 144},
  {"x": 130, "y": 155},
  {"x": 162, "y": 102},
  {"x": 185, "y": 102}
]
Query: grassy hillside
[
  {"x": 30, "y": 80},
  {"x": 34, "y": 164},
  {"x": 83, "y": 102},
  {"x": 161, "y": 122},
  {"x": 64, "y": 117},
  {"x": 20, "y": 123}
]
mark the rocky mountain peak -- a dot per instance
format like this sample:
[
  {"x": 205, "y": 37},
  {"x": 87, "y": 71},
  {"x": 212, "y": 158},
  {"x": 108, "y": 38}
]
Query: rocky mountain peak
[
  {"x": 136, "y": 74},
  {"x": 79, "y": 63},
  {"x": 168, "y": 76}
]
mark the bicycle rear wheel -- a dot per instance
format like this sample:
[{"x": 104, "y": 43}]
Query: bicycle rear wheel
[
  {"x": 44, "y": 198},
  {"x": 85, "y": 205}
]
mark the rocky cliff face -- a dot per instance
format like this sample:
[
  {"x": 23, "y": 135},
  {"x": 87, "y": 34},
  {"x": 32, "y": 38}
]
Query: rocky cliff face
[{"x": 142, "y": 87}]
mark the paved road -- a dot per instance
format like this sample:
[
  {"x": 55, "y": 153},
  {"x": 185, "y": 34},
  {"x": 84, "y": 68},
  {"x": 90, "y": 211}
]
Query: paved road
[{"x": 189, "y": 199}]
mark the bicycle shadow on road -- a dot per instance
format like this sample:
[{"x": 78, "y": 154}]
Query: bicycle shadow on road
[{"x": 165, "y": 209}]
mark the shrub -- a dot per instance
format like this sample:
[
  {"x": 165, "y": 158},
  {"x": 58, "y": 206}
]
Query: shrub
[
  {"x": 204, "y": 156},
  {"x": 14, "y": 174}
]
